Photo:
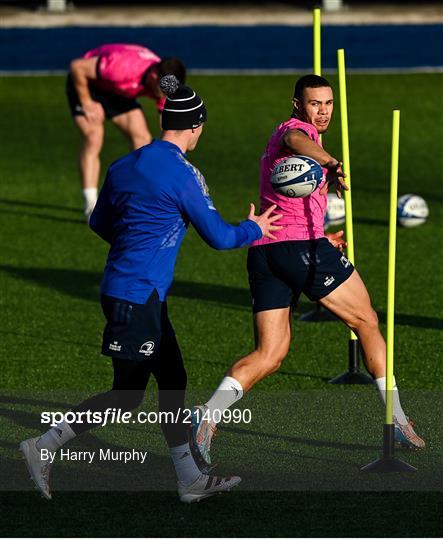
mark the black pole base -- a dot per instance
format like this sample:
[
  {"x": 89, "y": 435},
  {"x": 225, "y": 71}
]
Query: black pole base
[
  {"x": 353, "y": 375},
  {"x": 383, "y": 465},
  {"x": 319, "y": 314},
  {"x": 351, "y": 378},
  {"x": 388, "y": 463}
]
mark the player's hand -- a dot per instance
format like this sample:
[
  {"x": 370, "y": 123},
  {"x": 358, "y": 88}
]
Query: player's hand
[
  {"x": 265, "y": 221},
  {"x": 337, "y": 240},
  {"x": 93, "y": 111},
  {"x": 336, "y": 176}
]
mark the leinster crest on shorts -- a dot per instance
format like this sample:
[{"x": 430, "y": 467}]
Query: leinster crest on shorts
[{"x": 147, "y": 348}]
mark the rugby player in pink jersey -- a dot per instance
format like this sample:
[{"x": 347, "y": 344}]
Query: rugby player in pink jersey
[
  {"x": 300, "y": 258},
  {"x": 104, "y": 84}
]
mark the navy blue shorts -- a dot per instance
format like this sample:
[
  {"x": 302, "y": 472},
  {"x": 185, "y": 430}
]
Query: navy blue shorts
[
  {"x": 113, "y": 104},
  {"x": 280, "y": 272},
  {"x": 136, "y": 331}
]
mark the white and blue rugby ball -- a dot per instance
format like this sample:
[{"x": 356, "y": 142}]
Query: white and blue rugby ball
[
  {"x": 335, "y": 211},
  {"x": 412, "y": 210},
  {"x": 296, "y": 176}
]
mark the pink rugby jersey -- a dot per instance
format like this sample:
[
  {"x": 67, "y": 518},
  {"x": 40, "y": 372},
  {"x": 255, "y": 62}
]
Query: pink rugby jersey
[
  {"x": 121, "y": 69},
  {"x": 303, "y": 218}
]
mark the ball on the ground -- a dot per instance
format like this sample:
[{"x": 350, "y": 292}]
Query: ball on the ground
[
  {"x": 296, "y": 176},
  {"x": 412, "y": 210},
  {"x": 335, "y": 211}
]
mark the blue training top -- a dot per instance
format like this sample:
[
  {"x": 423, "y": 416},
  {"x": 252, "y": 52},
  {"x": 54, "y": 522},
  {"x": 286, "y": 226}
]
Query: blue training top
[{"x": 147, "y": 201}]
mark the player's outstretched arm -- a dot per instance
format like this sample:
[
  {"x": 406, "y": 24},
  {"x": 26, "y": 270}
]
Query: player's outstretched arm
[
  {"x": 299, "y": 143},
  {"x": 266, "y": 220},
  {"x": 336, "y": 176},
  {"x": 215, "y": 231}
]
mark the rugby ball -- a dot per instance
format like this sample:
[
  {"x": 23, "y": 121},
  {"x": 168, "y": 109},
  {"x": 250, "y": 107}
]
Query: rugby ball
[
  {"x": 296, "y": 176},
  {"x": 335, "y": 211},
  {"x": 412, "y": 210}
]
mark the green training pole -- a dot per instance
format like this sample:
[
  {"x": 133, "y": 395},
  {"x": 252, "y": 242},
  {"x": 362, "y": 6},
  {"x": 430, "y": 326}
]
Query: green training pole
[
  {"x": 316, "y": 21},
  {"x": 353, "y": 375},
  {"x": 389, "y": 463},
  {"x": 391, "y": 266}
]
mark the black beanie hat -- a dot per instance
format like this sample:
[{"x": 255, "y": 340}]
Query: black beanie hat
[{"x": 184, "y": 109}]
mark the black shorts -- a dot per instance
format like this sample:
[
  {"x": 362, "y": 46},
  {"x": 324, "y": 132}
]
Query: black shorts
[
  {"x": 280, "y": 272},
  {"x": 113, "y": 104},
  {"x": 134, "y": 331}
]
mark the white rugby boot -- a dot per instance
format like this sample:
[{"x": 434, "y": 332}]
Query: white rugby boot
[
  {"x": 38, "y": 468},
  {"x": 205, "y": 486}
]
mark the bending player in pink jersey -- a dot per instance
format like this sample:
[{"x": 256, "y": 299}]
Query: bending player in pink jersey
[
  {"x": 300, "y": 259},
  {"x": 105, "y": 83}
]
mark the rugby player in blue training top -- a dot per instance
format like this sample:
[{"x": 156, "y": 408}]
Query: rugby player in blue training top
[{"x": 145, "y": 206}]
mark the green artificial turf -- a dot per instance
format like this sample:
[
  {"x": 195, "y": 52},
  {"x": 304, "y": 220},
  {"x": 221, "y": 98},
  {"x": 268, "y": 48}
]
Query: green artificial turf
[{"x": 305, "y": 437}]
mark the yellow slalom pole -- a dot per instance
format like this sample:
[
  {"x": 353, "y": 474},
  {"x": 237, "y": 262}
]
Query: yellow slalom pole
[
  {"x": 316, "y": 14},
  {"x": 391, "y": 267},
  {"x": 353, "y": 375},
  {"x": 346, "y": 158},
  {"x": 389, "y": 463}
]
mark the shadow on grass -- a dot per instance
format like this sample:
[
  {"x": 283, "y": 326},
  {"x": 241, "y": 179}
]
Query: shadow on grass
[
  {"x": 31, "y": 401},
  {"x": 44, "y": 216},
  {"x": 46, "y": 206},
  {"x": 84, "y": 284},
  {"x": 280, "y": 372},
  {"x": 299, "y": 440},
  {"x": 371, "y": 221},
  {"x": 28, "y": 335}
]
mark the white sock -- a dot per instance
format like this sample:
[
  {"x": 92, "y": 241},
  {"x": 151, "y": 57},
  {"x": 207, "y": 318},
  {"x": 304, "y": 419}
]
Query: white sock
[
  {"x": 228, "y": 392},
  {"x": 55, "y": 437},
  {"x": 90, "y": 196},
  {"x": 398, "y": 411},
  {"x": 185, "y": 466}
]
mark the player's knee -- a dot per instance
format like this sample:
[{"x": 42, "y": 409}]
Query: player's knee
[
  {"x": 367, "y": 319},
  {"x": 273, "y": 364},
  {"x": 94, "y": 140},
  {"x": 272, "y": 359},
  {"x": 373, "y": 318}
]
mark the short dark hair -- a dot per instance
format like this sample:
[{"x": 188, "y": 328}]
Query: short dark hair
[
  {"x": 172, "y": 66},
  {"x": 309, "y": 81}
]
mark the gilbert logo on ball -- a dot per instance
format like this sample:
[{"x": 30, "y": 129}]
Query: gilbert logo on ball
[
  {"x": 335, "y": 211},
  {"x": 296, "y": 176},
  {"x": 412, "y": 210}
]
